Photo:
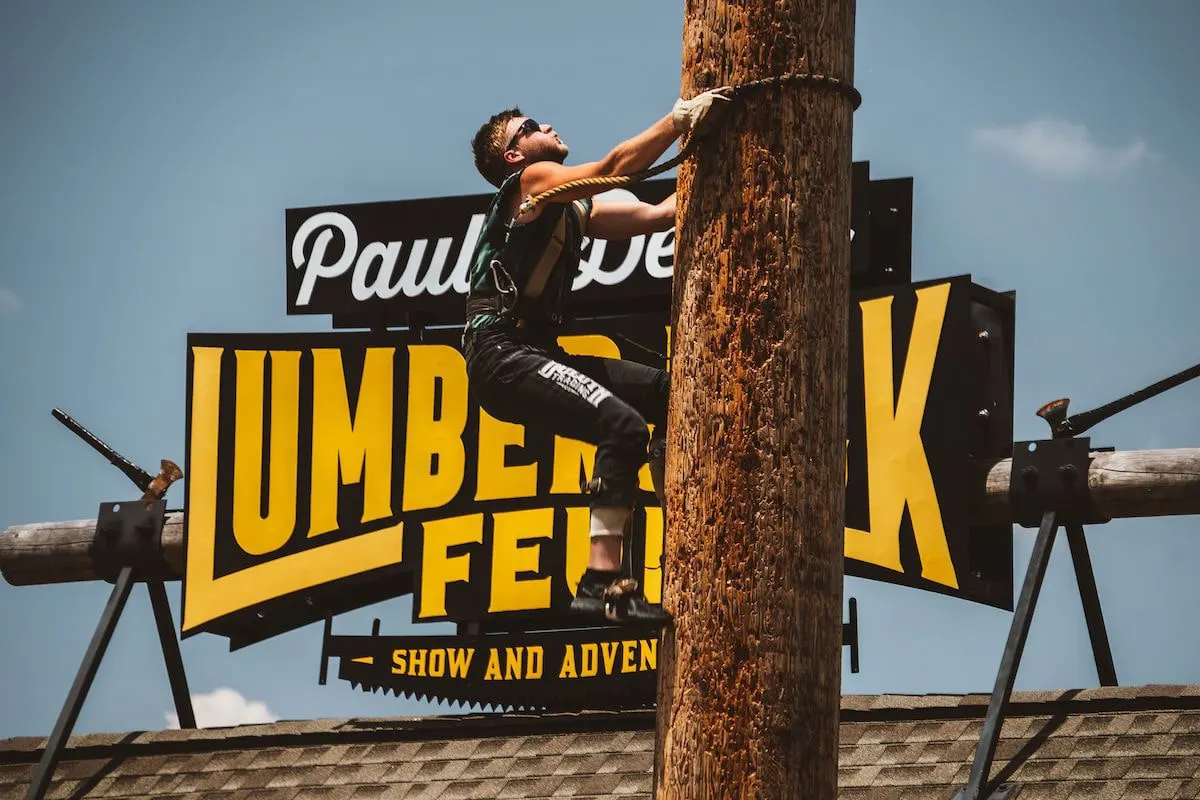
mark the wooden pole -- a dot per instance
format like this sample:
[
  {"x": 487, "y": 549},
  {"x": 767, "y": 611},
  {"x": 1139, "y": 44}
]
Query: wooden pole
[
  {"x": 749, "y": 677},
  {"x": 59, "y": 552},
  {"x": 1134, "y": 483}
]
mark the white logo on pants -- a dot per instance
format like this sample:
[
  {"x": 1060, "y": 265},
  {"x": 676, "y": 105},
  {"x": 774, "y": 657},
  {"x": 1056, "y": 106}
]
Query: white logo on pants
[{"x": 575, "y": 382}]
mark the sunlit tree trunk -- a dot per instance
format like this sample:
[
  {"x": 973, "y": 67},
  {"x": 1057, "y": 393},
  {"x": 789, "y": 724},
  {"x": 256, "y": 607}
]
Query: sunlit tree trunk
[{"x": 750, "y": 676}]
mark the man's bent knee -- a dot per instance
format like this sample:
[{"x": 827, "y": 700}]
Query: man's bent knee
[{"x": 605, "y": 491}]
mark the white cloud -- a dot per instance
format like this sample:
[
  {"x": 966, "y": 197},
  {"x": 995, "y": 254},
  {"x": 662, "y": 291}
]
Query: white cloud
[
  {"x": 9, "y": 302},
  {"x": 224, "y": 708},
  {"x": 1060, "y": 149}
]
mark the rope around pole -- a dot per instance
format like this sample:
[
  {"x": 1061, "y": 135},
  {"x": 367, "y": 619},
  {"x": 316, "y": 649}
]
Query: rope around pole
[{"x": 734, "y": 93}]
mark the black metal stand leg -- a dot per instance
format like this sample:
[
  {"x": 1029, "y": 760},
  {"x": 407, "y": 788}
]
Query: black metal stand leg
[
  {"x": 171, "y": 654},
  {"x": 1106, "y": 669},
  {"x": 83, "y": 682},
  {"x": 1018, "y": 632}
]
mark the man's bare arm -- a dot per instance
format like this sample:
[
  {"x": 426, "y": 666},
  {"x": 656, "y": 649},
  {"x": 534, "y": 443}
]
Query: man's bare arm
[
  {"x": 620, "y": 220},
  {"x": 631, "y": 155}
]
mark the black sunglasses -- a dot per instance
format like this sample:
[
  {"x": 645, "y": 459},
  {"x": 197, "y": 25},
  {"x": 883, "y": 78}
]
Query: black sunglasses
[{"x": 528, "y": 126}]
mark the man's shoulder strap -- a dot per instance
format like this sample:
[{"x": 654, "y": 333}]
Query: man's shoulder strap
[{"x": 510, "y": 183}]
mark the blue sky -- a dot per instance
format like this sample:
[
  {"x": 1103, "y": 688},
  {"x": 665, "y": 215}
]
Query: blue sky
[{"x": 148, "y": 151}]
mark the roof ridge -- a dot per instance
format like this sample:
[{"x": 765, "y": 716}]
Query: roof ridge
[
  {"x": 356, "y": 730},
  {"x": 854, "y": 708},
  {"x": 1022, "y": 702}
]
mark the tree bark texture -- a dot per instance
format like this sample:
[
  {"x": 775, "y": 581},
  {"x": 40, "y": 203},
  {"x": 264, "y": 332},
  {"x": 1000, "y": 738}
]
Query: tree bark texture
[{"x": 749, "y": 676}]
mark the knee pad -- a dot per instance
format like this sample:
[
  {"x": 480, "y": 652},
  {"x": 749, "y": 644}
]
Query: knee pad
[{"x": 604, "y": 492}]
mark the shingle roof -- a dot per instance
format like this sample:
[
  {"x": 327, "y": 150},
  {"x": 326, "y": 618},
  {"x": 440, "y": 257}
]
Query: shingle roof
[{"x": 1105, "y": 744}]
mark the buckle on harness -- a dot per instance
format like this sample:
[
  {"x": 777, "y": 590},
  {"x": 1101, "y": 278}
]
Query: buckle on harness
[{"x": 504, "y": 281}]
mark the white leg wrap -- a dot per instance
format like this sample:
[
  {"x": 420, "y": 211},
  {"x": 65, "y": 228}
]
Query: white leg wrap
[{"x": 609, "y": 521}]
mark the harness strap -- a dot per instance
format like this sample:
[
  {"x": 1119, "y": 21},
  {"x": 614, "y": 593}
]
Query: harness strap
[
  {"x": 541, "y": 272},
  {"x": 485, "y": 305}
]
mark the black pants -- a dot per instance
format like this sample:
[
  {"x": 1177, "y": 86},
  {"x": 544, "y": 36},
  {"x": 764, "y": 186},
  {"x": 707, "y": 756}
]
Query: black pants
[{"x": 528, "y": 379}]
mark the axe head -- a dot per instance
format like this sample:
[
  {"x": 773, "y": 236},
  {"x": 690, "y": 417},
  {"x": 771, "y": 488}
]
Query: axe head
[
  {"x": 168, "y": 473},
  {"x": 1055, "y": 413}
]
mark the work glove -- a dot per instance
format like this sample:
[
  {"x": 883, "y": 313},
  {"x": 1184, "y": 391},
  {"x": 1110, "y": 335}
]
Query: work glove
[{"x": 688, "y": 115}]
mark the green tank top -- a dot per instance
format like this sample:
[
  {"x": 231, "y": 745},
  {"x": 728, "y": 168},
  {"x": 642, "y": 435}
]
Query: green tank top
[{"x": 539, "y": 257}]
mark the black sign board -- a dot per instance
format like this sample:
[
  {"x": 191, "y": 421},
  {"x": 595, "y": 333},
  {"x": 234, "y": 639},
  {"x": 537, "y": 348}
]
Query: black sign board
[
  {"x": 566, "y": 669},
  {"x": 405, "y": 263},
  {"x": 330, "y": 470}
]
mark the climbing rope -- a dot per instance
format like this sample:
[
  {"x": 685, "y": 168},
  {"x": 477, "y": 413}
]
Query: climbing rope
[{"x": 735, "y": 92}]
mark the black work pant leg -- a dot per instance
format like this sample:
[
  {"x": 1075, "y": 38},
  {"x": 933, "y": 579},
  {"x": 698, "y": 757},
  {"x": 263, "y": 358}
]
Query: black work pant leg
[
  {"x": 542, "y": 387},
  {"x": 647, "y": 389}
]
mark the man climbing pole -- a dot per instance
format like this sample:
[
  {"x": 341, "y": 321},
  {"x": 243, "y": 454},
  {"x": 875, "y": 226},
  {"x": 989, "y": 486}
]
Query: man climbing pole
[{"x": 521, "y": 270}]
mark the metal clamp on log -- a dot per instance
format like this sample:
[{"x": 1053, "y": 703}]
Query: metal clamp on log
[
  {"x": 129, "y": 534},
  {"x": 1052, "y": 475}
]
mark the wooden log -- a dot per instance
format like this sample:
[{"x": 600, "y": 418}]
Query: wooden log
[
  {"x": 1124, "y": 484},
  {"x": 57, "y": 552}
]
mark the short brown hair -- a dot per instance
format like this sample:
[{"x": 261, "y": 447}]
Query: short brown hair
[{"x": 488, "y": 146}]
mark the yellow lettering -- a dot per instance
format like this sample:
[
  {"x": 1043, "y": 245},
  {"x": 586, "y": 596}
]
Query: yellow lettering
[
  {"x": 354, "y": 450},
  {"x": 579, "y": 543},
  {"x": 652, "y": 578},
  {"x": 493, "y": 667},
  {"x": 512, "y": 663},
  {"x": 430, "y": 437},
  {"x": 644, "y": 481},
  {"x": 438, "y": 568},
  {"x": 437, "y": 663},
  {"x": 667, "y": 368},
  {"x": 416, "y": 662},
  {"x": 590, "y": 661},
  {"x": 255, "y": 533},
  {"x": 533, "y": 662},
  {"x": 628, "y": 650},
  {"x": 567, "y": 670},
  {"x": 399, "y": 663},
  {"x": 202, "y": 483},
  {"x": 495, "y": 480},
  {"x": 649, "y": 654},
  {"x": 897, "y": 468},
  {"x": 460, "y": 663},
  {"x": 571, "y": 456},
  {"x": 211, "y": 597},
  {"x": 510, "y": 593},
  {"x": 609, "y": 650}
]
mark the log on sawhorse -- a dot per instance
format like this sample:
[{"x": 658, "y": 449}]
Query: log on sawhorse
[
  {"x": 1052, "y": 483},
  {"x": 1135, "y": 483},
  {"x": 124, "y": 545}
]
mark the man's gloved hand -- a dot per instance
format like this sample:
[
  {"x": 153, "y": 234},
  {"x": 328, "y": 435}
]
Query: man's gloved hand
[{"x": 704, "y": 108}]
